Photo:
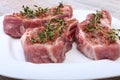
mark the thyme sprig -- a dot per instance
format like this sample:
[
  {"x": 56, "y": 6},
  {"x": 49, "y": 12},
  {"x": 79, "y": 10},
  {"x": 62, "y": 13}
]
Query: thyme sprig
[
  {"x": 39, "y": 11},
  {"x": 95, "y": 22},
  {"x": 33, "y": 13},
  {"x": 96, "y": 18},
  {"x": 112, "y": 34},
  {"x": 53, "y": 29},
  {"x": 57, "y": 10},
  {"x": 89, "y": 28}
]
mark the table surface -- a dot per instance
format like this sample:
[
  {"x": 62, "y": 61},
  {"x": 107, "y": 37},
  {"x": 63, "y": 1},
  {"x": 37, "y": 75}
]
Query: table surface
[{"x": 113, "y": 6}]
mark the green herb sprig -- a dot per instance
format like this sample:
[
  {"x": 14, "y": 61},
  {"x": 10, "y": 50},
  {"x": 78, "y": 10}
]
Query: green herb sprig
[
  {"x": 57, "y": 10},
  {"x": 33, "y": 13},
  {"x": 96, "y": 18},
  {"x": 95, "y": 21},
  {"x": 53, "y": 29},
  {"x": 112, "y": 34}
]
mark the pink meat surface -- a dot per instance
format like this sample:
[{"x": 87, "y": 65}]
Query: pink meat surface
[
  {"x": 15, "y": 25},
  {"x": 96, "y": 44},
  {"x": 49, "y": 52}
]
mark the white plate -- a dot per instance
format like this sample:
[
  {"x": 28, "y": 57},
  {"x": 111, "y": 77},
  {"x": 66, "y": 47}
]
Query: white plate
[{"x": 75, "y": 66}]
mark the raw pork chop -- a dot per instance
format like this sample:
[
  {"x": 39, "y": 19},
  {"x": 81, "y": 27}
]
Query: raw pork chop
[
  {"x": 16, "y": 24},
  {"x": 95, "y": 39},
  {"x": 49, "y": 43}
]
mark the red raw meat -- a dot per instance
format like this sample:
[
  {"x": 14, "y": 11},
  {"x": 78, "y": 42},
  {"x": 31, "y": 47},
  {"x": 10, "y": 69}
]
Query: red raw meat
[
  {"x": 15, "y": 25},
  {"x": 95, "y": 43},
  {"x": 49, "y": 52}
]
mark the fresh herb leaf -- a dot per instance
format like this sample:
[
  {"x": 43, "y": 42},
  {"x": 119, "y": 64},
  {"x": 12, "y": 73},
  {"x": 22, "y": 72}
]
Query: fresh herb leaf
[
  {"x": 33, "y": 40},
  {"x": 54, "y": 28},
  {"x": 111, "y": 35},
  {"x": 50, "y": 35},
  {"x": 33, "y": 13},
  {"x": 61, "y": 4},
  {"x": 57, "y": 10},
  {"x": 41, "y": 35},
  {"x": 89, "y": 28},
  {"x": 96, "y": 17}
]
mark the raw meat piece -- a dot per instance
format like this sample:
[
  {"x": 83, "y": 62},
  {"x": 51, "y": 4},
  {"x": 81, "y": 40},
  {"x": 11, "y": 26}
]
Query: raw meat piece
[
  {"x": 16, "y": 24},
  {"x": 95, "y": 39},
  {"x": 54, "y": 48}
]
